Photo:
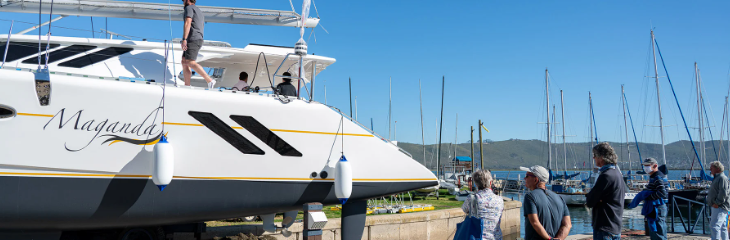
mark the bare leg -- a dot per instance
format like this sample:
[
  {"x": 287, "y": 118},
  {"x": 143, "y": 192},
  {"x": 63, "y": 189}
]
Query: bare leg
[
  {"x": 187, "y": 73},
  {"x": 199, "y": 69}
]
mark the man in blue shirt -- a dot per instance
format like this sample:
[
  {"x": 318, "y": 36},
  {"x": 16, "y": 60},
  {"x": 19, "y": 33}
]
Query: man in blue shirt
[
  {"x": 607, "y": 195},
  {"x": 546, "y": 214}
]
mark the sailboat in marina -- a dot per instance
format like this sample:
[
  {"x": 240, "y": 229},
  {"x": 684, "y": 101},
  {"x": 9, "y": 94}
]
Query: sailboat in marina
[
  {"x": 569, "y": 190},
  {"x": 80, "y": 130}
]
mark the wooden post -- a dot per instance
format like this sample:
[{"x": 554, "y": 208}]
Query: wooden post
[
  {"x": 472, "y": 149},
  {"x": 481, "y": 144}
]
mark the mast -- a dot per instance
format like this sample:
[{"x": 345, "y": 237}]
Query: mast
[
  {"x": 659, "y": 102},
  {"x": 555, "y": 138},
  {"x": 456, "y": 138},
  {"x": 562, "y": 117},
  {"x": 699, "y": 114},
  {"x": 704, "y": 118},
  {"x": 441, "y": 128},
  {"x": 547, "y": 108},
  {"x": 626, "y": 127},
  {"x": 390, "y": 104},
  {"x": 423, "y": 136},
  {"x": 590, "y": 121},
  {"x": 727, "y": 116}
]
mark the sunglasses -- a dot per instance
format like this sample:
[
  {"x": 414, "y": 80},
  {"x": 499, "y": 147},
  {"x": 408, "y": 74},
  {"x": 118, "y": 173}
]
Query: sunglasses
[{"x": 529, "y": 175}]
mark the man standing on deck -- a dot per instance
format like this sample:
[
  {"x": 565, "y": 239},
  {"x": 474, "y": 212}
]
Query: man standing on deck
[
  {"x": 607, "y": 195},
  {"x": 192, "y": 41},
  {"x": 546, "y": 214},
  {"x": 718, "y": 199}
]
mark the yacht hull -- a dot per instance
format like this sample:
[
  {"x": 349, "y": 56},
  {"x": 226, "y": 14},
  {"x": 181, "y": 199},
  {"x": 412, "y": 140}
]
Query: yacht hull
[
  {"x": 91, "y": 203},
  {"x": 85, "y": 160}
]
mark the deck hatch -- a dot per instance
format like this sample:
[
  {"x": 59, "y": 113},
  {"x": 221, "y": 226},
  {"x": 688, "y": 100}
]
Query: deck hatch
[
  {"x": 95, "y": 57},
  {"x": 20, "y": 50},
  {"x": 266, "y": 135},
  {"x": 222, "y": 129},
  {"x": 6, "y": 112},
  {"x": 62, "y": 54}
]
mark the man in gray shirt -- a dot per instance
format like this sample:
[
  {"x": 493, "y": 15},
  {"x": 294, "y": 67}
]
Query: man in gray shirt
[
  {"x": 192, "y": 41},
  {"x": 546, "y": 214},
  {"x": 718, "y": 198}
]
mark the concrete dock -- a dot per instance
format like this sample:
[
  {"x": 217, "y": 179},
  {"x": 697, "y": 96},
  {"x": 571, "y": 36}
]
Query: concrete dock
[
  {"x": 430, "y": 225},
  {"x": 639, "y": 235}
]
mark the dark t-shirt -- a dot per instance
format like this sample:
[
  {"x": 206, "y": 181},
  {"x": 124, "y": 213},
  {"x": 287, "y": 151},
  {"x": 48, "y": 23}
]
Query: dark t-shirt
[
  {"x": 197, "y": 27},
  {"x": 286, "y": 89},
  {"x": 550, "y": 210}
]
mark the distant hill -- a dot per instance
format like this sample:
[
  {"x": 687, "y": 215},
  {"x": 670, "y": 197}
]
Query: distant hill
[{"x": 511, "y": 154}]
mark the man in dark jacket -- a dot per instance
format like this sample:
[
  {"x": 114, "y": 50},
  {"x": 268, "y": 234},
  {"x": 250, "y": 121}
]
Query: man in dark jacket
[
  {"x": 658, "y": 184},
  {"x": 607, "y": 195},
  {"x": 286, "y": 88}
]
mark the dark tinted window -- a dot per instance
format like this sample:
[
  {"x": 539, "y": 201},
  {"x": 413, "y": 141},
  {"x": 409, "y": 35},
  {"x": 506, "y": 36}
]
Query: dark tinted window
[
  {"x": 20, "y": 50},
  {"x": 265, "y": 135},
  {"x": 222, "y": 129},
  {"x": 61, "y": 54},
  {"x": 96, "y": 57}
]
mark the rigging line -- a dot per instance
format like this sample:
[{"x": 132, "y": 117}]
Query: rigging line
[
  {"x": 702, "y": 169},
  {"x": 335, "y": 140},
  {"x": 40, "y": 5},
  {"x": 315, "y": 8},
  {"x": 169, "y": 18},
  {"x": 266, "y": 63},
  {"x": 92, "y": 28},
  {"x": 161, "y": 105},
  {"x": 636, "y": 141},
  {"x": 292, "y": 6},
  {"x": 7, "y": 45},
  {"x": 48, "y": 42},
  {"x": 709, "y": 129}
]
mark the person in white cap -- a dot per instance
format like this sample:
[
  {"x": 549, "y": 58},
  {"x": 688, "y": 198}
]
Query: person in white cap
[{"x": 545, "y": 211}]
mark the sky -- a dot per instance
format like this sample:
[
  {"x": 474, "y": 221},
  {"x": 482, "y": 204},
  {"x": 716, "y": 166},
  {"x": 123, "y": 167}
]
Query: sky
[{"x": 493, "y": 56}]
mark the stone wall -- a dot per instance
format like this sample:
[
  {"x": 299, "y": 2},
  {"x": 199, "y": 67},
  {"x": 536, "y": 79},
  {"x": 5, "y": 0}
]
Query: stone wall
[{"x": 435, "y": 225}]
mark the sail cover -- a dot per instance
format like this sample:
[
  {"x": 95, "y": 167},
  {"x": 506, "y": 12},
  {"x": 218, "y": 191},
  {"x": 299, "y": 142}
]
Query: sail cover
[{"x": 158, "y": 11}]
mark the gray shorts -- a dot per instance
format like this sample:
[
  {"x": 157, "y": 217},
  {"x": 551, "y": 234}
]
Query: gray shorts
[{"x": 193, "y": 48}]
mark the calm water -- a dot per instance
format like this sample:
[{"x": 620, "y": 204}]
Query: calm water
[
  {"x": 673, "y": 174},
  {"x": 632, "y": 218}
]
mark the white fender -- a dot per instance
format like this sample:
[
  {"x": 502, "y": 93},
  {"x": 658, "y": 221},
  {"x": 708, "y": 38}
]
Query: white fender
[
  {"x": 343, "y": 180},
  {"x": 164, "y": 163}
]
